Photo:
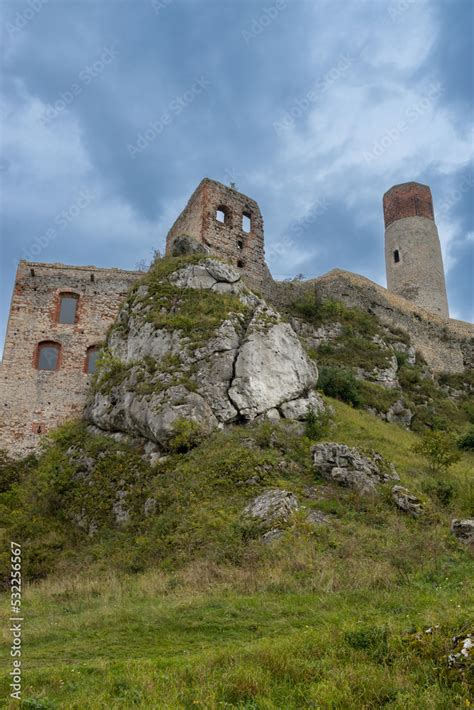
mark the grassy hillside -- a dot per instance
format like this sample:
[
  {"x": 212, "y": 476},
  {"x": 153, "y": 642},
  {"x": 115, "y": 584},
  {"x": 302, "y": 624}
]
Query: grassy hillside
[{"x": 186, "y": 607}]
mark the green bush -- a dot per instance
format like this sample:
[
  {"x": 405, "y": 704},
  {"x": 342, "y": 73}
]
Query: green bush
[
  {"x": 339, "y": 383},
  {"x": 442, "y": 491},
  {"x": 186, "y": 435},
  {"x": 317, "y": 425},
  {"x": 440, "y": 450},
  {"x": 466, "y": 442}
]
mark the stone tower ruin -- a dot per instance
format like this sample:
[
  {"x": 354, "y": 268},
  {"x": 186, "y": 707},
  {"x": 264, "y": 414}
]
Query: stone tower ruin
[
  {"x": 413, "y": 257},
  {"x": 230, "y": 224}
]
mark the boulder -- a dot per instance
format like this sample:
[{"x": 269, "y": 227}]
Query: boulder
[
  {"x": 300, "y": 408},
  {"x": 406, "y": 501},
  {"x": 350, "y": 468},
  {"x": 271, "y": 367},
  {"x": 184, "y": 245},
  {"x": 248, "y": 366},
  {"x": 399, "y": 414},
  {"x": 275, "y": 505},
  {"x": 463, "y": 530}
]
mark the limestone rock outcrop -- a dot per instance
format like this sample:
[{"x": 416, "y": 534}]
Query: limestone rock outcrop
[
  {"x": 275, "y": 505},
  {"x": 348, "y": 467},
  {"x": 406, "y": 501},
  {"x": 240, "y": 361},
  {"x": 463, "y": 530}
]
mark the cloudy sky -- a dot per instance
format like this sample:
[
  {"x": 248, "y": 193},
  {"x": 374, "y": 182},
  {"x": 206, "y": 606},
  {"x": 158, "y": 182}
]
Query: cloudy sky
[{"x": 112, "y": 111}]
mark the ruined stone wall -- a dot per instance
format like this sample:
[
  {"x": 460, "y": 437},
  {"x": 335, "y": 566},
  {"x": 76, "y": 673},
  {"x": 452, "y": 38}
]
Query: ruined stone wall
[
  {"x": 447, "y": 345},
  {"x": 413, "y": 259},
  {"x": 33, "y": 401},
  {"x": 227, "y": 239}
]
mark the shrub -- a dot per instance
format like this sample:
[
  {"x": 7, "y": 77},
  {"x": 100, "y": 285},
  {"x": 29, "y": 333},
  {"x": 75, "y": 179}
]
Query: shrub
[
  {"x": 317, "y": 425},
  {"x": 186, "y": 435},
  {"x": 440, "y": 450},
  {"x": 339, "y": 383},
  {"x": 441, "y": 490},
  {"x": 466, "y": 442}
]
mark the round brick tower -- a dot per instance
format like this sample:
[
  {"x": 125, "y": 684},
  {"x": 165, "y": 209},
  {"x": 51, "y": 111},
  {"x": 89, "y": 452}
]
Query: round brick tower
[{"x": 412, "y": 250}]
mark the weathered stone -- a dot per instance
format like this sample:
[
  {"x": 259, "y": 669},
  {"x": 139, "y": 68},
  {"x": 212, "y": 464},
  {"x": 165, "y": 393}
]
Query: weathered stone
[
  {"x": 406, "y": 501},
  {"x": 221, "y": 272},
  {"x": 225, "y": 236},
  {"x": 272, "y": 535},
  {"x": 317, "y": 517},
  {"x": 399, "y": 414},
  {"x": 34, "y": 401},
  {"x": 241, "y": 370},
  {"x": 463, "y": 530},
  {"x": 272, "y": 506},
  {"x": 121, "y": 513},
  {"x": 184, "y": 245},
  {"x": 193, "y": 276},
  {"x": 462, "y": 651},
  {"x": 350, "y": 468},
  {"x": 271, "y": 366},
  {"x": 300, "y": 408}
]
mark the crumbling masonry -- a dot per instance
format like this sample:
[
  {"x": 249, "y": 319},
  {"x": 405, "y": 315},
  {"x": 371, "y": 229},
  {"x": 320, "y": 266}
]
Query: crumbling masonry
[{"x": 60, "y": 314}]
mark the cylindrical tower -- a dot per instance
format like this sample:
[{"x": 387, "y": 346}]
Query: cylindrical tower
[{"x": 412, "y": 250}]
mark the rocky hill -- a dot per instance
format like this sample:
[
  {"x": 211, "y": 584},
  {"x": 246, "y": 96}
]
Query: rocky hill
[{"x": 245, "y": 518}]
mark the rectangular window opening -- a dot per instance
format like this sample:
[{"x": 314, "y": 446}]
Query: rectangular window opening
[{"x": 67, "y": 309}]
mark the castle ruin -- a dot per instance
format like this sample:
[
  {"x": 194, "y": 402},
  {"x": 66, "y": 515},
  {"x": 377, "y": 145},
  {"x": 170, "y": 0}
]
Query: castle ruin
[
  {"x": 60, "y": 315},
  {"x": 413, "y": 257}
]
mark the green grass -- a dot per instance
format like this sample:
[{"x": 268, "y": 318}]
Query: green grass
[{"x": 326, "y": 617}]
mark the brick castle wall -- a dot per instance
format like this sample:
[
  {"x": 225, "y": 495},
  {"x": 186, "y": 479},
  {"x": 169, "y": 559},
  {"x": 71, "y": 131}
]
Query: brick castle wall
[
  {"x": 33, "y": 401},
  {"x": 411, "y": 199},
  {"x": 245, "y": 250}
]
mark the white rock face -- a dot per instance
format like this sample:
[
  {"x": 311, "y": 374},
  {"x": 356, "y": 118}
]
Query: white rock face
[
  {"x": 275, "y": 505},
  {"x": 300, "y": 408},
  {"x": 252, "y": 365},
  {"x": 271, "y": 367}
]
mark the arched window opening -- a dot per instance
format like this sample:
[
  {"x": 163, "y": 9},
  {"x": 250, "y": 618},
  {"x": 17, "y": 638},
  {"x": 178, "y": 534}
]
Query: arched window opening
[
  {"x": 92, "y": 356},
  {"x": 247, "y": 222},
  {"x": 396, "y": 256},
  {"x": 223, "y": 215},
  {"x": 47, "y": 357},
  {"x": 240, "y": 244},
  {"x": 240, "y": 263},
  {"x": 68, "y": 308}
]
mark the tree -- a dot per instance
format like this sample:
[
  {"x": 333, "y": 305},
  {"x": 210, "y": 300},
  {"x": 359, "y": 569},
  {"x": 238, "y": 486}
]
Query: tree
[{"x": 439, "y": 448}]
